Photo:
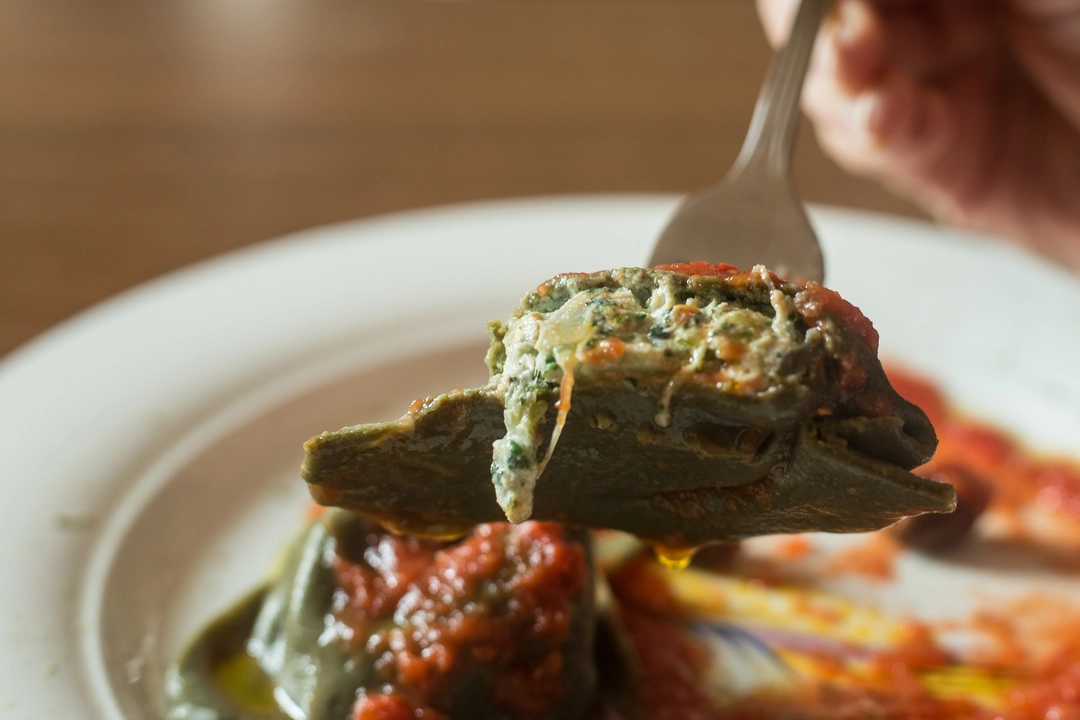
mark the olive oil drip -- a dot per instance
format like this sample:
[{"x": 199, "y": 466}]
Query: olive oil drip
[
  {"x": 245, "y": 683},
  {"x": 443, "y": 532},
  {"x": 674, "y": 558}
]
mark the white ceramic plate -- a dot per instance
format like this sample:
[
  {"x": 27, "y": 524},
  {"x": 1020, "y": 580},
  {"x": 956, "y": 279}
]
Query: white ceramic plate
[{"x": 150, "y": 445}]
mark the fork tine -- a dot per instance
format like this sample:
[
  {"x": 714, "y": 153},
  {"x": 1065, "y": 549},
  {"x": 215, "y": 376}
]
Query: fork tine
[{"x": 754, "y": 216}]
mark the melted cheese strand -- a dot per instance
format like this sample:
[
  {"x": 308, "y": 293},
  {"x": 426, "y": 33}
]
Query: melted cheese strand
[
  {"x": 663, "y": 410},
  {"x": 566, "y": 389}
]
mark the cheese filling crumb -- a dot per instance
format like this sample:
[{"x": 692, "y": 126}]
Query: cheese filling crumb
[{"x": 648, "y": 325}]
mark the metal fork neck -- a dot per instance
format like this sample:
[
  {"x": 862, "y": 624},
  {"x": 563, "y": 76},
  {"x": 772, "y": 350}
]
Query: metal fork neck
[{"x": 767, "y": 147}]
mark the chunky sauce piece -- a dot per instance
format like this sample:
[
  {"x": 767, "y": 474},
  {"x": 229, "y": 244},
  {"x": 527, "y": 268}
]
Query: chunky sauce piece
[{"x": 429, "y": 612}]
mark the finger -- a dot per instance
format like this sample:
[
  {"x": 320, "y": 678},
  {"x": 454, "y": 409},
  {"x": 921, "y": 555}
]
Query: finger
[
  {"x": 1045, "y": 37},
  {"x": 852, "y": 44},
  {"x": 898, "y": 130},
  {"x": 905, "y": 117},
  {"x": 932, "y": 39},
  {"x": 856, "y": 43},
  {"x": 875, "y": 117},
  {"x": 829, "y": 98},
  {"x": 928, "y": 38}
]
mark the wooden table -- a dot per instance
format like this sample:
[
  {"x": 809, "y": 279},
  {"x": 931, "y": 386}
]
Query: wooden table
[{"x": 138, "y": 137}]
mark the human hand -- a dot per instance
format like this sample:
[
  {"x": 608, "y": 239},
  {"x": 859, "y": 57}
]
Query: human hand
[{"x": 969, "y": 107}]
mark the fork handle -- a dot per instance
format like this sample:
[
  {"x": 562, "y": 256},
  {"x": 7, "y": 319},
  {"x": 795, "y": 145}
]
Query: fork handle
[{"x": 768, "y": 143}]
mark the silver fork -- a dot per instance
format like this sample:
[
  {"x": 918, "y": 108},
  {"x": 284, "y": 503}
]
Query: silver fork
[{"x": 753, "y": 216}]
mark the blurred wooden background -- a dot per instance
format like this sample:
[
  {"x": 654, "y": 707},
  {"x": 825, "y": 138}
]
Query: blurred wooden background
[{"x": 139, "y": 137}]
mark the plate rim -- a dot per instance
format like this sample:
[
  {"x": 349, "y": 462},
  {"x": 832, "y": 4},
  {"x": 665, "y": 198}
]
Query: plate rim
[{"x": 45, "y": 359}]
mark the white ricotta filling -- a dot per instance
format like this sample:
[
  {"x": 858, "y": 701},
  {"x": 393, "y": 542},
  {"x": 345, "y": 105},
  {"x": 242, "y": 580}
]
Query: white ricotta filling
[{"x": 543, "y": 351}]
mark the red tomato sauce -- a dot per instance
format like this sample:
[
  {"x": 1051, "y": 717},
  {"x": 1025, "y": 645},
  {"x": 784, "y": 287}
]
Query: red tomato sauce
[
  {"x": 814, "y": 300},
  {"x": 700, "y": 267},
  {"x": 502, "y": 598},
  {"x": 1018, "y": 478},
  {"x": 671, "y": 662}
]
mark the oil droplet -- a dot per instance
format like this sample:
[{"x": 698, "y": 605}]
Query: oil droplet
[
  {"x": 241, "y": 678},
  {"x": 442, "y": 532},
  {"x": 674, "y": 558}
]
